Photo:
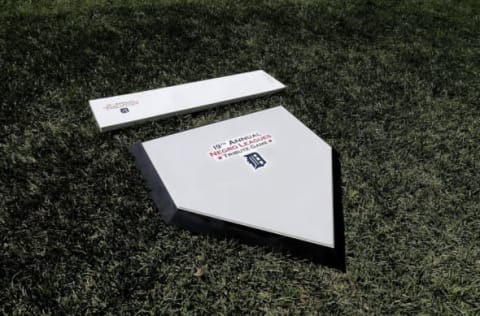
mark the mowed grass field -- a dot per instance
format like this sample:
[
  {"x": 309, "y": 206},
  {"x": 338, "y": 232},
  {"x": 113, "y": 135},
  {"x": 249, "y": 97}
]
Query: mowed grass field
[{"x": 393, "y": 86}]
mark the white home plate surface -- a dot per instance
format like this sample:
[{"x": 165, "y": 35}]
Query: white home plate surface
[
  {"x": 265, "y": 177},
  {"x": 123, "y": 110}
]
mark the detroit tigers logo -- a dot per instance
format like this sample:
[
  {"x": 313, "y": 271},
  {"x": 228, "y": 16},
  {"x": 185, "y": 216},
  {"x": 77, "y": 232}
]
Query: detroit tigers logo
[{"x": 255, "y": 160}]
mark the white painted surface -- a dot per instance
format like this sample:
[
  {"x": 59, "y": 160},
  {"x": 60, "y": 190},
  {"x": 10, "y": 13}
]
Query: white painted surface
[
  {"x": 123, "y": 110},
  {"x": 292, "y": 195}
]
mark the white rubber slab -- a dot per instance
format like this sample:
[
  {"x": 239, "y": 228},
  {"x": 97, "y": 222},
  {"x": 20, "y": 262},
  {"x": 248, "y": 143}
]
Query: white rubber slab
[
  {"x": 264, "y": 170},
  {"x": 123, "y": 110}
]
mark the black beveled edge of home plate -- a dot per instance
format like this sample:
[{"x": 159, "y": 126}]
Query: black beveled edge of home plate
[{"x": 332, "y": 257}]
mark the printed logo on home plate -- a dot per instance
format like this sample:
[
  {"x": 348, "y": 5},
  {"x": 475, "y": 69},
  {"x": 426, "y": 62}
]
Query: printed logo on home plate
[
  {"x": 255, "y": 160},
  {"x": 242, "y": 145}
]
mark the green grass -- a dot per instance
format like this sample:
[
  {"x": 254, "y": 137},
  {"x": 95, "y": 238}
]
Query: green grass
[{"x": 395, "y": 88}]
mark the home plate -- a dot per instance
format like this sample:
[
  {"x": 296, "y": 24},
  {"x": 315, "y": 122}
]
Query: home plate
[{"x": 264, "y": 178}]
